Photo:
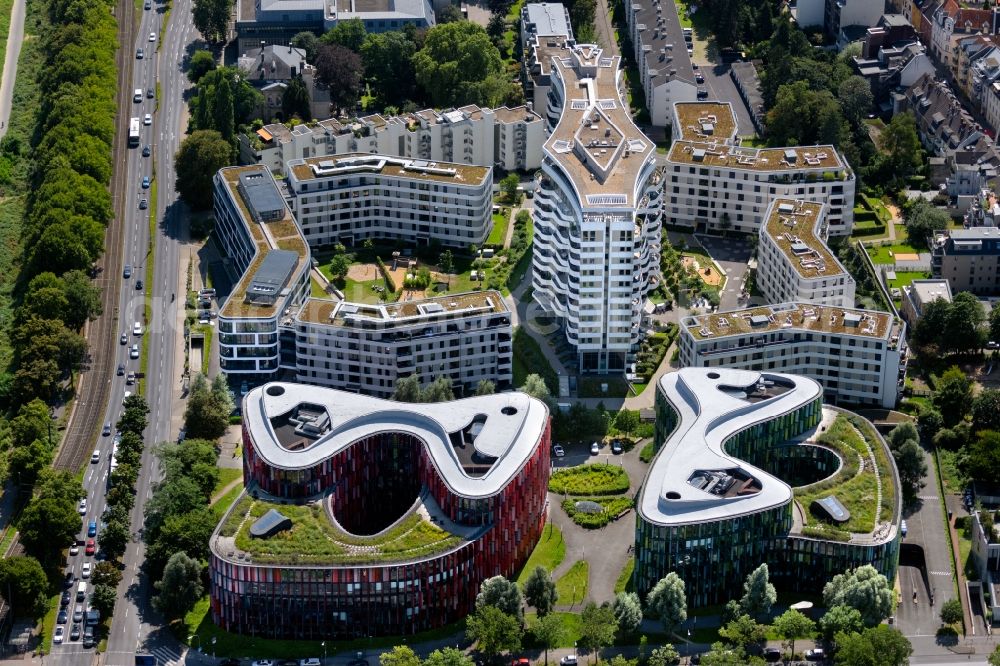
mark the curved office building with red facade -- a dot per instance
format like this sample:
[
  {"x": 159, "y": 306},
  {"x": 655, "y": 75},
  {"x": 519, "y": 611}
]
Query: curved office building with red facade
[{"x": 365, "y": 517}]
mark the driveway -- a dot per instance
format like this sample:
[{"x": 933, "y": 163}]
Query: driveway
[
  {"x": 721, "y": 88},
  {"x": 733, "y": 255}
]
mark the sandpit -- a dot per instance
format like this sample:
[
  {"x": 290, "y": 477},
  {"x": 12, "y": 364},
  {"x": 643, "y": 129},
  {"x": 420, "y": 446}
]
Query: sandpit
[{"x": 708, "y": 274}]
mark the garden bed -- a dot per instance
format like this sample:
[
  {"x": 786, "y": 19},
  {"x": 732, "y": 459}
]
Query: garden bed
[
  {"x": 587, "y": 480},
  {"x": 614, "y": 508}
]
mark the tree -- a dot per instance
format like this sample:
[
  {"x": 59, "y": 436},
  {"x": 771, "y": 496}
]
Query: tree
[
  {"x": 758, "y": 593},
  {"x": 103, "y": 599},
  {"x": 863, "y": 588},
  {"x": 114, "y": 538},
  {"x": 912, "y": 468},
  {"x": 953, "y": 395},
  {"x": 209, "y": 406},
  {"x": 503, "y": 594},
  {"x": 627, "y": 420},
  {"x": 388, "y": 62},
  {"x": 340, "y": 263},
  {"x": 540, "y": 591},
  {"x": 548, "y": 633},
  {"x": 535, "y": 386},
  {"x": 308, "y": 42},
  {"x": 668, "y": 602},
  {"x": 448, "y": 657},
  {"x": 171, "y": 497},
  {"x": 902, "y": 147},
  {"x": 493, "y": 630},
  {"x": 923, "y": 218},
  {"x": 995, "y": 324},
  {"x": 855, "y": 97},
  {"x": 185, "y": 532},
  {"x": 840, "y": 619},
  {"x": 349, "y": 34},
  {"x": 401, "y": 655},
  {"x": 340, "y": 70},
  {"x": 994, "y": 658},
  {"x": 106, "y": 573},
  {"x": 211, "y": 18},
  {"x": 447, "y": 262},
  {"x": 901, "y": 433},
  {"x": 202, "y": 62},
  {"x": 459, "y": 65},
  {"x": 449, "y": 14},
  {"x": 963, "y": 328},
  {"x": 485, "y": 387},
  {"x": 792, "y": 625},
  {"x": 980, "y": 458},
  {"x": 628, "y": 612},
  {"x": 47, "y": 525},
  {"x": 725, "y": 655},
  {"x": 83, "y": 300},
  {"x": 31, "y": 423},
  {"x": 496, "y": 26},
  {"x": 744, "y": 632},
  {"x": 438, "y": 390},
  {"x": 875, "y": 646},
  {"x": 201, "y": 155},
  {"x": 665, "y": 655},
  {"x": 929, "y": 421},
  {"x": 26, "y": 463},
  {"x": 209, "y": 105},
  {"x": 295, "y": 100},
  {"x": 24, "y": 584},
  {"x": 407, "y": 389},
  {"x": 598, "y": 626},
  {"x": 986, "y": 410},
  {"x": 180, "y": 588},
  {"x": 509, "y": 185},
  {"x": 800, "y": 113},
  {"x": 951, "y": 611}
]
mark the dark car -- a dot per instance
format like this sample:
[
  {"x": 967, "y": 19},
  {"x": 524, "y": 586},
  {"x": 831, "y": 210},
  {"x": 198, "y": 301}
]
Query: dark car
[
  {"x": 143, "y": 204},
  {"x": 772, "y": 654},
  {"x": 138, "y": 285},
  {"x": 127, "y": 271},
  {"x": 62, "y": 617},
  {"x": 121, "y": 369},
  {"x": 145, "y": 182},
  {"x": 616, "y": 447},
  {"x": 146, "y": 150},
  {"x": 74, "y": 633},
  {"x": 69, "y": 580},
  {"x": 150, "y": 93},
  {"x": 696, "y": 659},
  {"x": 123, "y": 339},
  {"x": 64, "y": 599},
  {"x": 288, "y": 662},
  {"x": 702, "y": 93}
]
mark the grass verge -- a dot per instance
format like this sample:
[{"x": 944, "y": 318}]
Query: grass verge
[
  {"x": 624, "y": 582},
  {"x": 549, "y": 552},
  {"x": 571, "y": 587},
  {"x": 529, "y": 359}
]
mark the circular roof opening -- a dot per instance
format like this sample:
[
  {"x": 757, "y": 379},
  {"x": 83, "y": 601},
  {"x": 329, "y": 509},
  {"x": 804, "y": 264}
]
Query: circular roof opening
[
  {"x": 508, "y": 411},
  {"x": 275, "y": 390},
  {"x": 713, "y": 375},
  {"x": 672, "y": 495}
]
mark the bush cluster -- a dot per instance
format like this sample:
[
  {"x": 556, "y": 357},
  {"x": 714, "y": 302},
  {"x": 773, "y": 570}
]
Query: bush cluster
[
  {"x": 594, "y": 479},
  {"x": 614, "y": 507}
]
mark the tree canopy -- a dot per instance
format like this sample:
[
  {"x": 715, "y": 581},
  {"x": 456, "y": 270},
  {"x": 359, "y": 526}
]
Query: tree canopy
[
  {"x": 180, "y": 588},
  {"x": 199, "y": 158},
  {"x": 953, "y": 395},
  {"x": 923, "y": 218},
  {"x": 758, "y": 593},
  {"x": 863, "y": 588},
  {"x": 503, "y": 594},
  {"x": 667, "y": 601},
  {"x": 540, "y": 591},
  {"x": 459, "y": 65}
]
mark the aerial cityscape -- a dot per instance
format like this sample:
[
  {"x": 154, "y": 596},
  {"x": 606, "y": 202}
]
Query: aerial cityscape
[{"x": 447, "y": 333}]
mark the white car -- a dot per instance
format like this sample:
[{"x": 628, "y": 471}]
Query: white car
[
  {"x": 147, "y": 119},
  {"x": 558, "y": 451},
  {"x": 134, "y": 352},
  {"x": 136, "y": 328},
  {"x": 569, "y": 660},
  {"x": 311, "y": 661},
  {"x": 595, "y": 448},
  {"x": 95, "y": 457},
  {"x": 127, "y": 395},
  {"x": 152, "y": 36},
  {"x": 57, "y": 637},
  {"x": 85, "y": 572},
  {"x": 815, "y": 654},
  {"x": 74, "y": 549},
  {"x": 82, "y": 509}
]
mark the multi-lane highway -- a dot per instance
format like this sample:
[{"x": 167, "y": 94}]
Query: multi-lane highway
[{"x": 161, "y": 64}]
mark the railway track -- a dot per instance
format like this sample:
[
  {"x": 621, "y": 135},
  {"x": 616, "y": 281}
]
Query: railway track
[{"x": 93, "y": 388}]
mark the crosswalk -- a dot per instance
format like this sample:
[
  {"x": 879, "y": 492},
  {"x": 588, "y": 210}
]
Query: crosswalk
[{"x": 165, "y": 656}]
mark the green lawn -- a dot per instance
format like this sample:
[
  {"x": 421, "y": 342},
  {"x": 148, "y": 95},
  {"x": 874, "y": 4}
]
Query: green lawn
[
  {"x": 549, "y": 552},
  {"x": 226, "y": 476},
  {"x": 571, "y": 588},
  {"x": 589, "y": 386},
  {"x": 364, "y": 292},
  {"x": 881, "y": 255},
  {"x": 499, "y": 232},
  {"x": 905, "y": 278},
  {"x": 753, "y": 141},
  {"x": 529, "y": 359},
  {"x": 952, "y": 479},
  {"x": 316, "y": 290},
  {"x": 593, "y": 479},
  {"x": 624, "y": 582}
]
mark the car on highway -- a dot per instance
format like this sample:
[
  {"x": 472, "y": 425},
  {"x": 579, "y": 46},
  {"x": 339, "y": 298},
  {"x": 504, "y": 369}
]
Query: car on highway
[
  {"x": 57, "y": 637},
  {"x": 147, "y": 119},
  {"x": 150, "y": 93},
  {"x": 699, "y": 78},
  {"x": 124, "y": 338},
  {"x": 140, "y": 54},
  {"x": 62, "y": 617},
  {"x": 558, "y": 451},
  {"x": 815, "y": 654},
  {"x": 82, "y": 508},
  {"x": 78, "y": 613},
  {"x": 95, "y": 457},
  {"x": 89, "y": 549},
  {"x": 69, "y": 579},
  {"x": 75, "y": 548},
  {"x": 145, "y": 182},
  {"x": 91, "y": 531},
  {"x": 152, "y": 36},
  {"x": 616, "y": 447},
  {"x": 85, "y": 572},
  {"x": 138, "y": 285},
  {"x": 595, "y": 448},
  {"x": 107, "y": 428},
  {"x": 130, "y": 378},
  {"x": 64, "y": 599},
  {"x": 134, "y": 352},
  {"x": 74, "y": 633},
  {"x": 128, "y": 394},
  {"x": 136, "y": 328},
  {"x": 143, "y": 204},
  {"x": 121, "y": 369},
  {"x": 127, "y": 271},
  {"x": 146, "y": 150},
  {"x": 88, "y": 637}
]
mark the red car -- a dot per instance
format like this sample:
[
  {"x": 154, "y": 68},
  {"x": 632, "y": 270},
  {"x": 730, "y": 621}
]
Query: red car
[{"x": 89, "y": 550}]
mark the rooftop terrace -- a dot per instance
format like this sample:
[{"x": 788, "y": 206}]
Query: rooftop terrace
[
  {"x": 719, "y": 154},
  {"x": 803, "y": 316},
  {"x": 322, "y": 311},
  {"x": 793, "y": 226},
  {"x": 357, "y": 163},
  {"x": 704, "y": 121},
  {"x": 277, "y": 234}
]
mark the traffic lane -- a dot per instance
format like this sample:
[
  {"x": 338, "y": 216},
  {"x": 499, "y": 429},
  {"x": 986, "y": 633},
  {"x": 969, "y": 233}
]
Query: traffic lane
[{"x": 721, "y": 88}]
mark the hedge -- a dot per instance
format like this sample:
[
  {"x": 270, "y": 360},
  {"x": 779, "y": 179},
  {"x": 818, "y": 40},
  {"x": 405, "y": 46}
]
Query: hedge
[
  {"x": 614, "y": 508},
  {"x": 386, "y": 274},
  {"x": 593, "y": 479}
]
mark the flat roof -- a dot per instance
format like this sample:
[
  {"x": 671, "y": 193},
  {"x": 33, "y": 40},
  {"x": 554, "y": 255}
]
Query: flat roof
[
  {"x": 794, "y": 226},
  {"x": 801, "y": 316},
  {"x": 330, "y": 166},
  {"x": 713, "y": 405},
  {"x": 596, "y": 143},
  {"x": 692, "y": 119},
  {"x": 926, "y": 291},
  {"x": 277, "y": 234},
  {"x": 340, "y": 313},
  {"x": 719, "y": 154},
  {"x": 510, "y": 427},
  {"x": 272, "y": 275},
  {"x": 548, "y": 18}
]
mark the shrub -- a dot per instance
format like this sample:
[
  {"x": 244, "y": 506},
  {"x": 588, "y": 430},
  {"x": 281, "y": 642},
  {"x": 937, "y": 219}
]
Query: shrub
[
  {"x": 614, "y": 508},
  {"x": 389, "y": 282},
  {"x": 594, "y": 479}
]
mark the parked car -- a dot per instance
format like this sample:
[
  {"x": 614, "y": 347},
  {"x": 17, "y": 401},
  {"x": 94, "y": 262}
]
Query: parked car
[
  {"x": 569, "y": 660},
  {"x": 699, "y": 78},
  {"x": 69, "y": 579},
  {"x": 616, "y": 447},
  {"x": 62, "y": 617},
  {"x": 310, "y": 661},
  {"x": 595, "y": 448},
  {"x": 558, "y": 451},
  {"x": 64, "y": 599},
  {"x": 902, "y": 528},
  {"x": 57, "y": 637},
  {"x": 815, "y": 654},
  {"x": 772, "y": 654},
  {"x": 263, "y": 662}
]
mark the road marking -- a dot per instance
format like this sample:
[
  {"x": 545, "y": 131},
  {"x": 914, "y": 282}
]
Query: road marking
[
  {"x": 939, "y": 573},
  {"x": 928, "y": 497}
]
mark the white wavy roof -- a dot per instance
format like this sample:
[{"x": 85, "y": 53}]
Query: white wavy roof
[
  {"x": 708, "y": 416},
  {"x": 511, "y": 438}
]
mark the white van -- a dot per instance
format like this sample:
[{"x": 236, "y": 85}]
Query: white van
[
  {"x": 137, "y": 96},
  {"x": 81, "y": 591}
]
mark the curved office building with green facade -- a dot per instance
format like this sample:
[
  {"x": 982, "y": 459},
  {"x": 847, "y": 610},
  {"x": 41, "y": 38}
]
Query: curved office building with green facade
[{"x": 751, "y": 467}]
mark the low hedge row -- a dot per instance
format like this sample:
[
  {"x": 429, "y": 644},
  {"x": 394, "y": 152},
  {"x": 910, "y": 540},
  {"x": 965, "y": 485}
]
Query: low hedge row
[{"x": 614, "y": 508}]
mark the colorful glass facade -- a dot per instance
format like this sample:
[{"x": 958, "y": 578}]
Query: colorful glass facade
[{"x": 371, "y": 483}]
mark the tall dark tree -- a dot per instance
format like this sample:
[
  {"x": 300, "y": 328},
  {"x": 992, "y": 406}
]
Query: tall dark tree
[
  {"x": 460, "y": 65},
  {"x": 202, "y": 62},
  {"x": 964, "y": 326},
  {"x": 295, "y": 100},
  {"x": 340, "y": 69},
  {"x": 350, "y": 34},
  {"x": 201, "y": 155},
  {"x": 211, "y": 18},
  {"x": 308, "y": 42},
  {"x": 388, "y": 63}
]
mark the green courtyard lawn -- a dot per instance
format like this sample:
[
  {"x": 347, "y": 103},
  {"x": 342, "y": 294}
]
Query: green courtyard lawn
[
  {"x": 624, "y": 582},
  {"x": 571, "y": 587},
  {"x": 881, "y": 255},
  {"x": 499, "y": 232},
  {"x": 364, "y": 292},
  {"x": 592, "y": 479},
  {"x": 905, "y": 278},
  {"x": 549, "y": 552}
]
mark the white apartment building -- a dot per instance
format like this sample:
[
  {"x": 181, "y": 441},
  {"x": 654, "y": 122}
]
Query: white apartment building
[
  {"x": 858, "y": 356},
  {"x": 663, "y": 52},
  {"x": 794, "y": 263},
  {"x": 833, "y": 16},
  {"x": 272, "y": 261},
  {"x": 348, "y": 198},
  {"x": 510, "y": 139},
  {"x": 366, "y": 348},
  {"x": 711, "y": 182},
  {"x": 598, "y": 212}
]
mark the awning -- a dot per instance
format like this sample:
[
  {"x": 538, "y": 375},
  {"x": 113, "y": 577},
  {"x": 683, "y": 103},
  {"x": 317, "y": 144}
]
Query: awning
[{"x": 264, "y": 134}]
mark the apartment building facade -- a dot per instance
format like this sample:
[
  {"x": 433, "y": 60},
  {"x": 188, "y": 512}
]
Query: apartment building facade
[
  {"x": 349, "y": 198},
  {"x": 969, "y": 259},
  {"x": 794, "y": 263},
  {"x": 598, "y": 212},
  {"x": 858, "y": 356},
  {"x": 713, "y": 183},
  {"x": 834, "y": 16},
  {"x": 366, "y": 348},
  {"x": 918, "y": 294},
  {"x": 509, "y": 139}
]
